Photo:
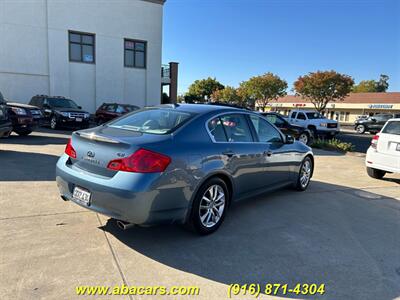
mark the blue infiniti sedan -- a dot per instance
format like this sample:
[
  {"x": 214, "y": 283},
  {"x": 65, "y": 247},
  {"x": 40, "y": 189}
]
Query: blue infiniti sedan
[{"x": 182, "y": 163}]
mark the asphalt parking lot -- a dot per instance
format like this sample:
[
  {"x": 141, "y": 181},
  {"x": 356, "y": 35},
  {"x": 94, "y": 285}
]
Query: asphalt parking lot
[{"x": 344, "y": 231}]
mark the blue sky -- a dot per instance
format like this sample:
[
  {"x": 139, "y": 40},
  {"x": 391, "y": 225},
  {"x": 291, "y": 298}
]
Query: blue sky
[{"x": 233, "y": 40}]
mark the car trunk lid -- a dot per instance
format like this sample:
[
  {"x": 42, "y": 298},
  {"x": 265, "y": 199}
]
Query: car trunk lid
[{"x": 96, "y": 147}]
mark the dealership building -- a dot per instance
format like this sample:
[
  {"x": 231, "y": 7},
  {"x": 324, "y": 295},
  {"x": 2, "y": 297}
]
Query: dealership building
[
  {"x": 346, "y": 111},
  {"x": 92, "y": 51}
]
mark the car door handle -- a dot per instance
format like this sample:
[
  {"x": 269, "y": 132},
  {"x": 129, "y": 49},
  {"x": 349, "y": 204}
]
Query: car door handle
[
  {"x": 268, "y": 153},
  {"x": 228, "y": 153}
]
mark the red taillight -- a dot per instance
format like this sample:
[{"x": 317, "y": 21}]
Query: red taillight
[
  {"x": 69, "y": 150},
  {"x": 142, "y": 161},
  {"x": 374, "y": 141}
]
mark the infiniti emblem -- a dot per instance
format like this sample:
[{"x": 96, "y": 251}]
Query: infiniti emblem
[{"x": 90, "y": 154}]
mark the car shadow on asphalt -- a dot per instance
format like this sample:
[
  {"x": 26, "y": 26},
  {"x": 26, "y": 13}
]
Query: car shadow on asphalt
[
  {"x": 27, "y": 166},
  {"x": 329, "y": 234},
  {"x": 34, "y": 140}
]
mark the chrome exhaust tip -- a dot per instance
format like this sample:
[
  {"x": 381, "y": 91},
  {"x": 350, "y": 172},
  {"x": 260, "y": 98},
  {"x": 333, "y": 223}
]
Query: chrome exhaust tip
[{"x": 124, "y": 225}]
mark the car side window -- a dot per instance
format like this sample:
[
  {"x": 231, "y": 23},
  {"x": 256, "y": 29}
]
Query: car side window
[
  {"x": 120, "y": 109},
  {"x": 236, "y": 128},
  {"x": 301, "y": 116},
  {"x": 216, "y": 129},
  {"x": 265, "y": 131},
  {"x": 293, "y": 115},
  {"x": 110, "y": 108}
]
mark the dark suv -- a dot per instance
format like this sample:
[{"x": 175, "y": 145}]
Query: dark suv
[
  {"x": 5, "y": 123},
  {"x": 300, "y": 133},
  {"x": 373, "y": 124},
  {"x": 108, "y": 111},
  {"x": 61, "y": 112}
]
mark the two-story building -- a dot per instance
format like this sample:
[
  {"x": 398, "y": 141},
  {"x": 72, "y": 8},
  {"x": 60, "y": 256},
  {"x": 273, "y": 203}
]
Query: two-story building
[{"x": 89, "y": 50}]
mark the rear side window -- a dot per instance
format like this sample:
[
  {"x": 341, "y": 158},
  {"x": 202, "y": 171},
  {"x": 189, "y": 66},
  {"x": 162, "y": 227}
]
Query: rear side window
[
  {"x": 301, "y": 116},
  {"x": 392, "y": 127},
  {"x": 265, "y": 131},
  {"x": 154, "y": 121},
  {"x": 293, "y": 115},
  {"x": 217, "y": 130},
  {"x": 236, "y": 128}
]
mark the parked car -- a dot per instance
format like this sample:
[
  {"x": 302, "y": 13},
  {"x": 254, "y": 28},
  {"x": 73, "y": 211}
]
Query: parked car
[
  {"x": 315, "y": 122},
  {"x": 24, "y": 118},
  {"x": 182, "y": 163},
  {"x": 108, "y": 111},
  {"x": 5, "y": 122},
  {"x": 372, "y": 124},
  {"x": 61, "y": 112},
  {"x": 383, "y": 156},
  {"x": 302, "y": 134}
]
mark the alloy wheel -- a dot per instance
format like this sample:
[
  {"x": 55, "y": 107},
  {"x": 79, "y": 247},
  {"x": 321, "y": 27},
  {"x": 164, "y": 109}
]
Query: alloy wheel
[
  {"x": 303, "y": 138},
  {"x": 305, "y": 173},
  {"x": 53, "y": 123},
  {"x": 212, "y": 206},
  {"x": 360, "y": 129}
]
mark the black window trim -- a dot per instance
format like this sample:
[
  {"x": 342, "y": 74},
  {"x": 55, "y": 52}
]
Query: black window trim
[
  {"x": 81, "y": 44},
  {"x": 134, "y": 52}
]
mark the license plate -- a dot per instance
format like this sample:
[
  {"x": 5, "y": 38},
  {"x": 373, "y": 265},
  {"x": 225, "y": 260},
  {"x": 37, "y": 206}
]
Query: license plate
[
  {"x": 78, "y": 119},
  {"x": 81, "y": 195},
  {"x": 398, "y": 147}
]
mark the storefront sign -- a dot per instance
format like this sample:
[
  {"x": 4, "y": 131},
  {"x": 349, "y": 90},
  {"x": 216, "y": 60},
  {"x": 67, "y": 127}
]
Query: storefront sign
[
  {"x": 380, "y": 106},
  {"x": 299, "y": 104}
]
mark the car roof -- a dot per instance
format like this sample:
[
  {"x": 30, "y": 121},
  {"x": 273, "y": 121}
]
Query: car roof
[
  {"x": 394, "y": 119},
  {"x": 199, "y": 108}
]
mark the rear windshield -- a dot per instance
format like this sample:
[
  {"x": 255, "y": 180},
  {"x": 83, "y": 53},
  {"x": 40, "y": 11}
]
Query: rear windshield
[
  {"x": 155, "y": 121},
  {"x": 392, "y": 127}
]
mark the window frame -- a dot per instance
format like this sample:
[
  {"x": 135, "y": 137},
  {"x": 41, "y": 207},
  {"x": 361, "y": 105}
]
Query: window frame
[
  {"x": 134, "y": 53},
  {"x": 81, "y": 44},
  {"x": 253, "y": 131}
]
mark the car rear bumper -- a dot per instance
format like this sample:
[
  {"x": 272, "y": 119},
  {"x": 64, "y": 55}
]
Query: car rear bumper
[
  {"x": 381, "y": 161},
  {"x": 130, "y": 197}
]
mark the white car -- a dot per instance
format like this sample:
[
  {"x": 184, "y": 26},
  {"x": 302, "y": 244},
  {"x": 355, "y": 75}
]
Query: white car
[
  {"x": 315, "y": 122},
  {"x": 383, "y": 156}
]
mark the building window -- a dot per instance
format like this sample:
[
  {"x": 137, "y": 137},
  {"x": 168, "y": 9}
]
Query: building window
[
  {"x": 81, "y": 47},
  {"x": 135, "y": 54}
]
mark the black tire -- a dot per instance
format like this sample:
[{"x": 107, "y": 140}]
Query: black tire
[
  {"x": 53, "y": 122},
  {"x": 300, "y": 185},
  {"x": 23, "y": 132},
  {"x": 313, "y": 131},
  {"x": 375, "y": 173},
  {"x": 194, "y": 222},
  {"x": 360, "y": 129}
]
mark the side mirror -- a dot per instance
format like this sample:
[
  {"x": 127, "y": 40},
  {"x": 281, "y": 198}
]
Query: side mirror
[
  {"x": 373, "y": 119},
  {"x": 80, "y": 107},
  {"x": 46, "y": 106},
  {"x": 289, "y": 139}
]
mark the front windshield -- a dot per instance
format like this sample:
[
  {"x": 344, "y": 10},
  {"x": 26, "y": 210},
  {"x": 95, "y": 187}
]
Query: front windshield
[
  {"x": 314, "y": 115},
  {"x": 61, "y": 102},
  {"x": 155, "y": 121}
]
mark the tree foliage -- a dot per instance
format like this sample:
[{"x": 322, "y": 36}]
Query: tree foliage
[
  {"x": 263, "y": 89},
  {"x": 201, "y": 90},
  {"x": 323, "y": 87},
  {"x": 228, "y": 94},
  {"x": 372, "y": 86}
]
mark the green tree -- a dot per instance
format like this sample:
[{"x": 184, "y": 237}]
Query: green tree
[
  {"x": 201, "y": 90},
  {"x": 263, "y": 89},
  {"x": 372, "y": 86},
  {"x": 322, "y": 87},
  {"x": 382, "y": 85},
  {"x": 228, "y": 94},
  {"x": 365, "y": 86}
]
